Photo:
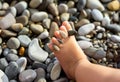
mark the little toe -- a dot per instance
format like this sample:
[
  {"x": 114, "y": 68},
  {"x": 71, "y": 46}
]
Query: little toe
[{"x": 67, "y": 25}]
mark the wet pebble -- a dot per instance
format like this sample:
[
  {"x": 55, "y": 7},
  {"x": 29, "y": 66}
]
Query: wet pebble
[{"x": 27, "y": 76}]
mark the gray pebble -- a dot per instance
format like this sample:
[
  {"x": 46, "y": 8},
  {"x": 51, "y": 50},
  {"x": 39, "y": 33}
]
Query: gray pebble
[
  {"x": 24, "y": 40},
  {"x": 12, "y": 57},
  {"x": 26, "y": 13},
  {"x": 97, "y": 15},
  {"x": 44, "y": 35},
  {"x": 13, "y": 81},
  {"x": 49, "y": 67},
  {"x": 81, "y": 4},
  {"x": 64, "y": 17},
  {"x": 13, "y": 43},
  {"x": 113, "y": 28},
  {"x": 115, "y": 38},
  {"x": 3, "y": 63},
  {"x": 63, "y": 8},
  {"x": 86, "y": 29},
  {"x": 21, "y": 6},
  {"x": 7, "y": 21},
  {"x": 3, "y": 77},
  {"x": 6, "y": 51},
  {"x": 46, "y": 23},
  {"x": 39, "y": 16},
  {"x": 12, "y": 10},
  {"x": 27, "y": 76},
  {"x": 24, "y": 31},
  {"x": 72, "y": 10},
  {"x": 1, "y": 50},
  {"x": 35, "y": 3},
  {"x": 12, "y": 70},
  {"x": 0, "y": 5}
]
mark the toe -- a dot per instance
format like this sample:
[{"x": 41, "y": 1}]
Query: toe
[
  {"x": 57, "y": 34},
  {"x": 67, "y": 25},
  {"x": 55, "y": 41}
]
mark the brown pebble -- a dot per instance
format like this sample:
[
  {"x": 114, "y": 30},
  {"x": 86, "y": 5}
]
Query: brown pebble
[{"x": 21, "y": 51}]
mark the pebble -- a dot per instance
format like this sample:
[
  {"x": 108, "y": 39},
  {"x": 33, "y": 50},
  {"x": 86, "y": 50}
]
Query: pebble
[
  {"x": 81, "y": 4},
  {"x": 44, "y": 35},
  {"x": 71, "y": 4},
  {"x": 24, "y": 31},
  {"x": 55, "y": 72},
  {"x": 12, "y": 57},
  {"x": 13, "y": 81},
  {"x": 35, "y": 52},
  {"x": 72, "y": 10},
  {"x": 95, "y": 5},
  {"x": 63, "y": 8},
  {"x": 24, "y": 40},
  {"x": 22, "y": 51},
  {"x": 65, "y": 17},
  {"x": 12, "y": 70},
  {"x": 7, "y": 33},
  {"x": 3, "y": 63},
  {"x": 36, "y": 28},
  {"x": 22, "y": 19},
  {"x": 40, "y": 74},
  {"x": 1, "y": 50},
  {"x": 22, "y": 63},
  {"x": 39, "y": 16},
  {"x": 0, "y": 5},
  {"x": 115, "y": 38},
  {"x": 3, "y": 77},
  {"x": 12, "y": 10},
  {"x": 63, "y": 34},
  {"x": 13, "y": 43},
  {"x": 35, "y": 3},
  {"x": 114, "y": 5},
  {"x": 61, "y": 80},
  {"x": 82, "y": 44},
  {"x": 42, "y": 80},
  {"x": 17, "y": 27},
  {"x": 27, "y": 76},
  {"x": 86, "y": 29},
  {"x": 26, "y": 13},
  {"x": 7, "y": 21},
  {"x": 37, "y": 65},
  {"x": 46, "y": 23},
  {"x": 106, "y": 21},
  {"x": 115, "y": 28},
  {"x": 97, "y": 15},
  {"x": 52, "y": 8},
  {"x": 21, "y": 6}
]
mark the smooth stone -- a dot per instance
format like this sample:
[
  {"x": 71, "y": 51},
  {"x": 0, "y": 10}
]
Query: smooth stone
[
  {"x": 27, "y": 76},
  {"x": 32, "y": 11},
  {"x": 24, "y": 31},
  {"x": 5, "y": 6},
  {"x": 35, "y": 3},
  {"x": 86, "y": 29},
  {"x": 72, "y": 10},
  {"x": 105, "y": 1},
  {"x": 116, "y": 17},
  {"x": 22, "y": 51},
  {"x": 22, "y": 19},
  {"x": 95, "y": 5},
  {"x": 3, "y": 77},
  {"x": 62, "y": 80},
  {"x": 100, "y": 35},
  {"x": 106, "y": 21},
  {"x": 81, "y": 4},
  {"x": 1, "y": 50},
  {"x": 84, "y": 44},
  {"x": 113, "y": 28},
  {"x": 81, "y": 23},
  {"x": 13, "y": 43},
  {"x": 13, "y": 51},
  {"x": 115, "y": 38},
  {"x": 46, "y": 23},
  {"x": 0, "y": 5},
  {"x": 35, "y": 52},
  {"x": 13, "y": 81},
  {"x": 12, "y": 70},
  {"x": 55, "y": 72},
  {"x": 21, "y": 6},
  {"x": 7, "y": 33},
  {"x": 39, "y": 16},
  {"x": 2, "y": 13},
  {"x": 95, "y": 53},
  {"x": 54, "y": 27},
  {"x": 6, "y": 51},
  {"x": 17, "y": 27},
  {"x": 36, "y": 28},
  {"x": 49, "y": 67},
  {"x": 12, "y": 57},
  {"x": 114, "y": 5},
  {"x": 12, "y": 10},
  {"x": 71, "y": 4},
  {"x": 40, "y": 74},
  {"x": 37, "y": 65},
  {"x": 42, "y": 80},
  {"x": 63, "y": 8},
  {"x": 26, "y": 13},
  {"x": 22, "y": 63},
  {"x": 53, "y": 9},
  {"x": 7, "y": 21},
  {"x": 65, "y": 17},
  {"x": 44, "y": 35},
  {"x": 3, "y": 64},
  {"x": 1, "y": 40},
  {"x": 97, "y": 15},
  {"x": 24, "y": 40}
]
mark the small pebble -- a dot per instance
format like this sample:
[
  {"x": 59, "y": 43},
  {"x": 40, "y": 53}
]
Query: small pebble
[{"x": 35, "y": 3}]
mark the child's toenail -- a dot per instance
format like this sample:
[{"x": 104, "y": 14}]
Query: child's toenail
[
  {"x": 63, "y": 34},
  {"x": 56, "y": 48}
]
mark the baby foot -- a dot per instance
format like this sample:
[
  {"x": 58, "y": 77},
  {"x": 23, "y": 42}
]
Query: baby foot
[{"x": 68, "y": 52}]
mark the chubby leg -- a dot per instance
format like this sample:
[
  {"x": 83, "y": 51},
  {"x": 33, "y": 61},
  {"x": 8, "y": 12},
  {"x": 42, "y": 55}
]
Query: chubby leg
[{"x": 70, "y": 53}]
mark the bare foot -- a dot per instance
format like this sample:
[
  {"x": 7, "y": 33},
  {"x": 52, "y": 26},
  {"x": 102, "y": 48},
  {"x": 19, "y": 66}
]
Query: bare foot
[{"x": 70, "y": 53}]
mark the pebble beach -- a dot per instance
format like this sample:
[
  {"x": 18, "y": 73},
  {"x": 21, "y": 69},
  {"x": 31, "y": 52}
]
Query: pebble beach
[{"x": 27, "y": 26}]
